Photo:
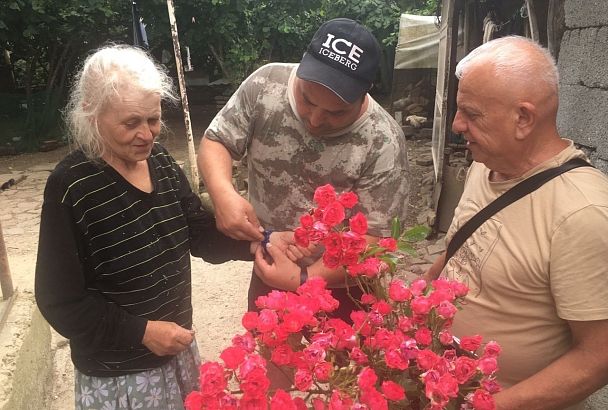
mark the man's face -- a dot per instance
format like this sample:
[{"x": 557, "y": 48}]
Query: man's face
[
  {"x": 321, "y": 110},
  {"x": 487, "y": 119}
]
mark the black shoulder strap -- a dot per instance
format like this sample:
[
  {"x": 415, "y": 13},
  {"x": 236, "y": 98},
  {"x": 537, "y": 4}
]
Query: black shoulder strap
[{"x": 518, "y": 191}]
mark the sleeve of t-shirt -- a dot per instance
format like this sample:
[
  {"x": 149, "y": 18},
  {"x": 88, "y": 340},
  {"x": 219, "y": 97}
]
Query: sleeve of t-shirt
[
  {"x": 579, "y": 268},
  {"x": 84, "y": 316},
  {"x": 206, "y": 241},
  {"x": 383, "y": 189},
  {"x": 233, "y": 125}
]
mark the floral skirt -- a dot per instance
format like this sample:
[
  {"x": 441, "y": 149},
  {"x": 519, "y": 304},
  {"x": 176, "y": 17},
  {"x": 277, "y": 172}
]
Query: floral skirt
[{"x": 164, "y": 388}]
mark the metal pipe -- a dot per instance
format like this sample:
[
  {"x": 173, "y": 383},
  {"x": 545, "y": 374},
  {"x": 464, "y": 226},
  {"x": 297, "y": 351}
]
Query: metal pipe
[{"x": 5, "y": 273}]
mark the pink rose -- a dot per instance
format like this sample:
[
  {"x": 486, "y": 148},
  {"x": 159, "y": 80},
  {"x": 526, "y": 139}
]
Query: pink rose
[
  {"x": 421, "y": 305},
  {"x": 267, "y": 320},
  {"x": 488, "y": 365},
  {"x": 491, "y": 349},
  {"x": 446, "y": 310},
  {"x": 426, "y": 359}
]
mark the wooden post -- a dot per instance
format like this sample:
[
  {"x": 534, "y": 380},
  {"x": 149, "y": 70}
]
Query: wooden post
[
  {"x": 5, "y": 273},
  {"x": 191, "y": 169}
]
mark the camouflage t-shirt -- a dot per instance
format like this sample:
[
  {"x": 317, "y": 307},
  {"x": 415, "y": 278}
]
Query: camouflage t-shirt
[{"x": 286, "y": 163}]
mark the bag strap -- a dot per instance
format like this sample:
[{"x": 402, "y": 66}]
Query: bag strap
[{"x": 518, "y": 191}]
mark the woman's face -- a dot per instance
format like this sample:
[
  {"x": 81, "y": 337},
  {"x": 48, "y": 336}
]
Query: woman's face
[{"x": 128, "y": 125}]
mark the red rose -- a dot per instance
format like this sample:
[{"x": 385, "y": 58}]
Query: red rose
[
  {"x": 281, "y": 354},
  {"x": 323, "y": 371},
  {"x": 282, "y": 401},
  {"x": 194, "y": 401},
  {"x": 482, "y": 400},
  {"x": 358, "y": 223},
  {"x": 398, "y": 291},
  {"x": 256, "y": 383},
  {"x": 395, "y": 360},
  {"x": 426, "y": 359},
  {"x": 306, "y": 221},
  {"x": 333, "y": 214},
  {"x": 212, "y": 379},
  {"x": 393, "y": 391},
  {"x": 348, "y": 199},
  {"x": 324, "y": 195},
  {"x": 250, "y": 320},
  {"x": 465, "y": 369},
  {"x": 331, "y": 259},
  {"x": 233, "y": 356},
  {"x": 367, "y": 379},
  {"x": 303, "y": 379},
  {"x": 471, "y": 343},
  {"x": 390, "y": 244},
  {"x": 491, "y": 349},
  {"x": 300, "y": 235}
]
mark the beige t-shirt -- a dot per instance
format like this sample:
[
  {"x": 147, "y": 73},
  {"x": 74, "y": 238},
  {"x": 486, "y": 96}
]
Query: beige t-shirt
[{"x": 534, "y": 265}]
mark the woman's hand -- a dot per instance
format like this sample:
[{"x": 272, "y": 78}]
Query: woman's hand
[{"x": 166, "y": 338}]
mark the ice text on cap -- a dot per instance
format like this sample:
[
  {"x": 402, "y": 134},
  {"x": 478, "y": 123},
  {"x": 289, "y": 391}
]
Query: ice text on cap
[{"x": 338, "y": 53}]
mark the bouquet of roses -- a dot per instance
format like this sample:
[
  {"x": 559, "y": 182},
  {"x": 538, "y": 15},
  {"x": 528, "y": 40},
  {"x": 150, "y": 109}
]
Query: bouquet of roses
[{"x": 398, "y": 353}]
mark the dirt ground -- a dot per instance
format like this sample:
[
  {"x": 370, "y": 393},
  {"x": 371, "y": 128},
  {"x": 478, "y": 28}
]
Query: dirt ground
[{"x": 219, "y": 291}]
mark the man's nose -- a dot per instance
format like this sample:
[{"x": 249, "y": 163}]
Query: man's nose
[
  {"x": 317, "y": 118},
  {"x": 458, "y": 124}
]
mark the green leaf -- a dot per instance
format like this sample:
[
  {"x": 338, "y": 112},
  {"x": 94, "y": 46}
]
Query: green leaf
[
  {"x": 395, "y": 228},
  {"x": 417, "y": 233},
  {"x": 406, "y": 247}
]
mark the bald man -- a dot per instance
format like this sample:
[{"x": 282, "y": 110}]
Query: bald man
[{"x": 538, "y": 269}]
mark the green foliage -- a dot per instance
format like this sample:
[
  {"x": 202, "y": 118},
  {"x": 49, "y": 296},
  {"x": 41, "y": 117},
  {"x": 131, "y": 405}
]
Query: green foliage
[{"x": 47, "y": 39}]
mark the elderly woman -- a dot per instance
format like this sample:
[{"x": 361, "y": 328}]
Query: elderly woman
[{"x": 119, "y": 222}]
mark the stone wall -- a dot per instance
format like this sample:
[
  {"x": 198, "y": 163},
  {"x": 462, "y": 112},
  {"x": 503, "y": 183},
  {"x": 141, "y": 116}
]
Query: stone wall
[{"x": 583, "y": 67}]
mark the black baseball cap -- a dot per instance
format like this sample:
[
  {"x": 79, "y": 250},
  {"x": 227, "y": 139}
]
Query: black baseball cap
[{"x": 342, "y": 56}]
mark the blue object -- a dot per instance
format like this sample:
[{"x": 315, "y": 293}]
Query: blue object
[{"x": 266, "y": 240}]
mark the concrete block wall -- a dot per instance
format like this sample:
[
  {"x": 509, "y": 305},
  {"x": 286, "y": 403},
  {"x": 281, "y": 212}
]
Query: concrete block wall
[{"x": 583, "y": 67}]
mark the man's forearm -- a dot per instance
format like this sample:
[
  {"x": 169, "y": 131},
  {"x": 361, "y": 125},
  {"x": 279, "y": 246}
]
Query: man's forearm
[
  {"x": 215, "y": 164},
  {"x": 565, "y": 382}
]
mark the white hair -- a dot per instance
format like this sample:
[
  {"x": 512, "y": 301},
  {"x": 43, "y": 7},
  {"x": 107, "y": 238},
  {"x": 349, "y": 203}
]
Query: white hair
[
  {"x": 105, "y": 74},
  {"x": 517, "y": 60}
]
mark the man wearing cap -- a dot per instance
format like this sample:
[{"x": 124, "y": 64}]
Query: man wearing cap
[{"x": 303, "y": 126}]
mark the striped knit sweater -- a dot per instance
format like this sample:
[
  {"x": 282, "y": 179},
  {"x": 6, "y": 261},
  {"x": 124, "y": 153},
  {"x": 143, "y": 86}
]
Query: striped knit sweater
[{"x": 111, "y": 257}]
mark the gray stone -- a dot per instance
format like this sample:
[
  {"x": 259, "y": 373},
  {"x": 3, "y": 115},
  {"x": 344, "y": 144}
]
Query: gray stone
[
  {"x": 436, "y": 248},
  {"x": 424, "y": 161},
  {"x": 598, "y": 400},
  {"x": 586, "y": 13},
  {"x": 408, "y": 130},
  {"x": 582, "y": 118},
  {"x": 425, "y": 133},
  {"x": 583, "y": 58}
]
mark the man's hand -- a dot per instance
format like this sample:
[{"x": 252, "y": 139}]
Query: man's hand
[
  {"x": 166, "y": 338},
  {"x": 279, "y": 273},
  {"x": 285, "y": 242},
  {"x": 236, "y": 218}
]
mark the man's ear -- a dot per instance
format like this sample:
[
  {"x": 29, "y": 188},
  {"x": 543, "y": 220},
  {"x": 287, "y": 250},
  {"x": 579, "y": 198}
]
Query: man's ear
[{"x": 526, "y": 117}]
